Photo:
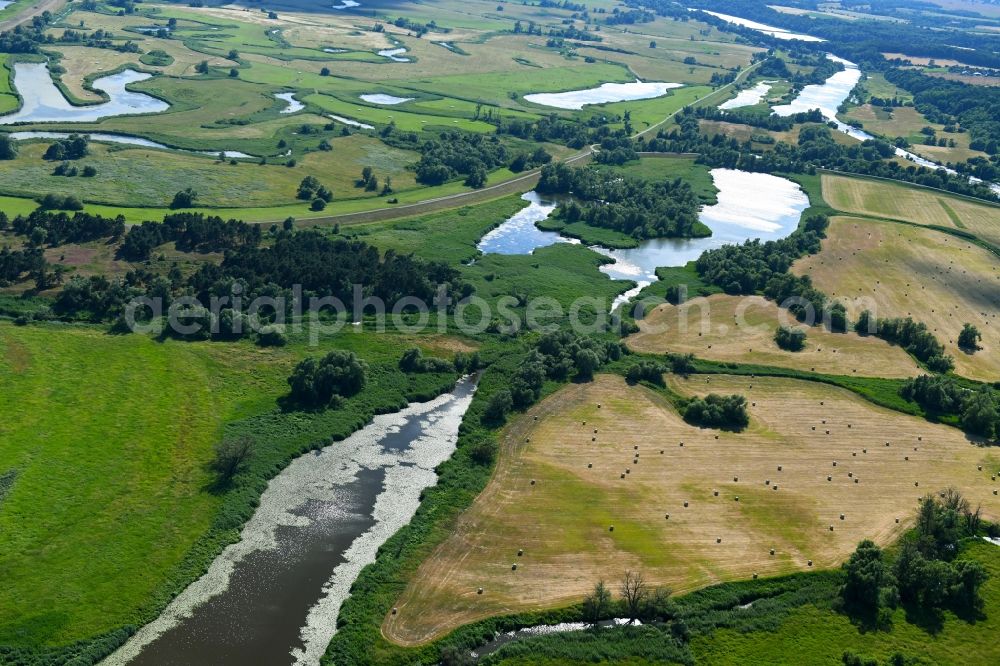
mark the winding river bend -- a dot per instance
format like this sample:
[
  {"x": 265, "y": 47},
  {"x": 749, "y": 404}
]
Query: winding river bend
[{"x": 274, "y": 596}]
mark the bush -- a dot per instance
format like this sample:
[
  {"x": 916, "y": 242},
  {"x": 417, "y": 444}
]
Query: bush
[
  {"x": 325, "y": 382},
  {"x": 648, "y": 371},
  {"x": 272, "y": 336},
  {"x": 231, "y": 457},
  {"x": 790, "y": 339},
  {"x": 413, "y": 360}
]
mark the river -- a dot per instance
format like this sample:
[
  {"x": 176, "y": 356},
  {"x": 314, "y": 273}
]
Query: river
[{"x": 274, "y": 596}]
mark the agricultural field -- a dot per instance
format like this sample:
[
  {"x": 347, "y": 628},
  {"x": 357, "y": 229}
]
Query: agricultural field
[
  {"x": 915, "y": 205},
  {"x": 740, "y": 329},
  {"x": 586, "y": 490},
  {"x": 896, "y": 270}
]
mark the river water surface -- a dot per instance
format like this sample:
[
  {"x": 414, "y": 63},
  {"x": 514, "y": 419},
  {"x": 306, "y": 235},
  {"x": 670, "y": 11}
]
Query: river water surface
[{"x": 274, "y": 596}]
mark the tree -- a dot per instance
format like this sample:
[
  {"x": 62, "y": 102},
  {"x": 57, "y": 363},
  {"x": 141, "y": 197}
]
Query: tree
[
  {"x": 184, "y": 199},
  {"x": 231, "y": 457},
  {"x": 325, "y": 71},
  {"x": 233, "y": 54},
  {"x": 597, "y": 603},
  {"x": 969, "y": 338},
  {"x": 866, "y": 579},
  {"x": 652, "y": 44},
  {"x": 234, "y": 73},
  {"x": 634, "y": 592},
  {"x": 980, "y": 415},
  {"x": 201, "y": 67},
  {"x": 498, "y": 405},
  {"x": 317, "y": 205},
  {"x": 8, "y": 148}
]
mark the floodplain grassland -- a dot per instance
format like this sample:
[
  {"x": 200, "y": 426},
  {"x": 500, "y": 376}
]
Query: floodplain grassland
[
  {"x": 740, "y": 329},
  {"x": 113, "y": 508},
  {"x": 131, "y": 176},
  {"x": 8, "y": 98},
  {"x": 899, "y": 201},
  {"x": 906, "y": 122},
  {"x": 815, "y": 634},
  {"x": 585, "y": 490},
  {"x": 898, "y": 270}
]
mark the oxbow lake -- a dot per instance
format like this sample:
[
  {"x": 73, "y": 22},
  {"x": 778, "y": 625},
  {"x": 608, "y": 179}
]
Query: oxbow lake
[
  {"x": 43, "y": 102},
  {"x": 293, "y": 104},
  {"x": 274, "y": 596},
  {"x": 124, "y": 139},
  {"x": 750, "y": 205},
  {"x": 604, "y": 93}
]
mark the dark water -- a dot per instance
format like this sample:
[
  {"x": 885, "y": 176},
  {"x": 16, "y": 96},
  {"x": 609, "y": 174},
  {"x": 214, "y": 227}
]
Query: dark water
[
  {"x": 274, "y": 597},
  {"x": 258, "y": 618}
]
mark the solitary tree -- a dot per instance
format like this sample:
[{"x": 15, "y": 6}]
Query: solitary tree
[
  {"x": 969, "y": 338},
  {"x": 8, "y": 148},
  {"x": 232, "y": 457},
  {"x": 634, "y": 592}
]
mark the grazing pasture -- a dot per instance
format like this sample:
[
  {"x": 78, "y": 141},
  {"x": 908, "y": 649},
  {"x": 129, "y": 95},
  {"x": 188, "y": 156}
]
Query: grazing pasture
[
  {"x": 898, "y": 270},
  {"x": 740, "y": 329},
  {"x": 587, "y": 478},
  {"x": 918, "y": 205}
]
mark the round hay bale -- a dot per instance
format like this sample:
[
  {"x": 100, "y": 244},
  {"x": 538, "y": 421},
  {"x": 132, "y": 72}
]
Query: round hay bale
[
  {"x": 718, "y": 539},
  {"x": 829, "y": 478},
  {"x": 772, "y": 551},
  {"x": 661, "y": 452},
  {"x": 532, "y": 482},
  {"x": 395, "y": 610},
  {"x": 854, "y": 454},
  {"x": 834, "y": 463},
  {"x": 906, "y": 457},
  {"x": 685, "y": 504},
  {"x": 831, "y": 528},
  {"x": 636, "y": 447},
  {"x": 809, "y": 563},
  {"x": 767, "y": 482},
  {"x": 755, "y": 576},
  {"x": 667, "y": 517},
  {"x": 916, "y": 483},
  {"x": 590, "y": 465},
  {"x": 850, "y": 475},
  {"x": 520, "y": 552},
  {"x": 715, "y": 492},
  {"x": 623, "y": 475},
  {"x": 513, "y": 567},
  {"x": 774, "y": 487},
  {"x": 897, "y": 521},
  {"x": 479, "y": 591},
  {"x": 779, "y": 468},
  {"x": 735, "y": 479},
  {"x": 593, "y": 439},
  {"x": 857, "y": 480},
  {"x": 841, "y": 516},
  {"x": 737, "y": 498},
  {"x": 611, "y": 529},
  {"x": 979, "y": 467}
]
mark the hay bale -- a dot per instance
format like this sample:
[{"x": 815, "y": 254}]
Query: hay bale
[
  {"x": 532, "y": 482},
  {"x": 611, "y": 529},
  {"x": 735, "y": 479},
  {"x": 767, "y": 482},
  {"x": 737, "y": 498},
  {"x": 479, "y": 591},
  {"x": 841, "y": 516},
  {"x": 395, "y": 610},
  {"x": 857, "y": 480},
  {"x": 661, "y": 452},
  {"x": 715, "y": 492},
  {"x": 906, "y": 457},
  {"x": 916, "y": 483},
  {"x": 834, "y": 463},
  {"x": 850, "y": 475},
  {"x": 809, "y": 563},
  {"x": 636, "y": 447},
  {"x": 755, "y": 576},
  {"x": 667, "y": 517},
  {"x": 520, "y": 552},
  {"x": 772, "y": 551},
  {"x": 979, "y": 467},
  {"x": 718, "y": 539},
  {"x": 774, "y": 487},
  {"x": 623, "y": 475},
  {"x": 593, "y": 439},
  {"x": 854, "y": 454},
  {"x": 513, "y": 567},
  {"x": 897, "y": 521},
  {"x": 685, "y": 504},
  {"x": 831, "y": 528},
  {"x": 590, "y": 465},
  {"x": 829, "y": 478},
  {"x": 779, "y": 468}
]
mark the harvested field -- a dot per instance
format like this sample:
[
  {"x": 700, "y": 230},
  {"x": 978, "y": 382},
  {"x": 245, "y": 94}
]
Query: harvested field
[
  {"x": 897, "y": 270},
  {"x": 741, "y": 329},
  {"x": 546, "y": 499},
  {"x": 912, "y": 204}
]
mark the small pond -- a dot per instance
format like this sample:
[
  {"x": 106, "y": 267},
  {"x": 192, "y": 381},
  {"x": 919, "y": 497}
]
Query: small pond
[
  {"x": 748, "y": 97},
  {"x": 346, "y": 4},
  {"x": 394, "y": 54},
  {"x": 43, "y": 102},
  {"x": 379, "y": 98},
  {"x": 348, "y": 121},
  {"x": 519, "y": 235},
  {"x": 604, "y": 93}
]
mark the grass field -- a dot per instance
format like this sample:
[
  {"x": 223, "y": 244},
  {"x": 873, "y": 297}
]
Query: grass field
[
  {"x": 698, "y": 176},
  {"x": 705, "y": 327},
  {"x": 8, "y": 99},
  {"x": 897, "y": 270},
  {"x": 912, "y": 204},
  {"x": 109, "y": 436},
  {"x": 545, "y": 499}
]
